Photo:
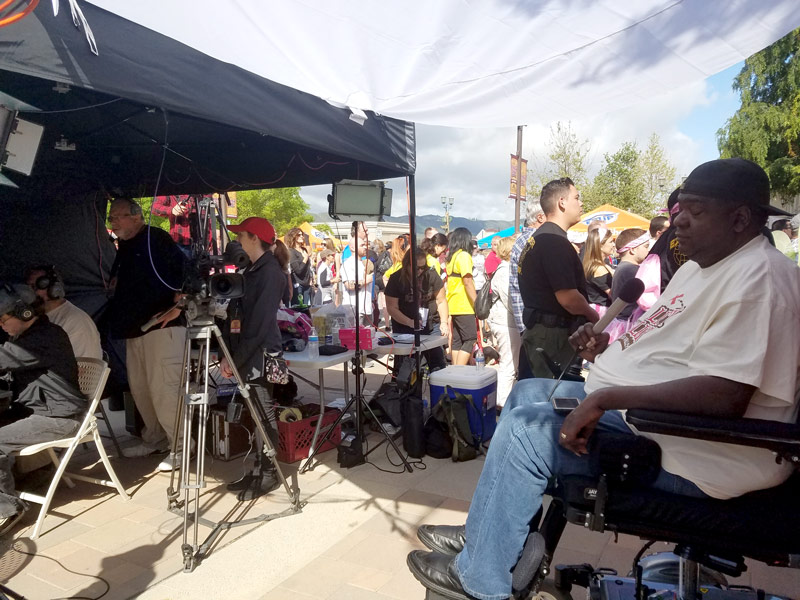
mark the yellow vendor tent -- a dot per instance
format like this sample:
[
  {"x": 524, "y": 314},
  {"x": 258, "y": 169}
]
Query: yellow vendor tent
[{"x": 612, "y": 217}]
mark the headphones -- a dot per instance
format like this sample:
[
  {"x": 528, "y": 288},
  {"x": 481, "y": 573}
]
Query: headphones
[
  {"x": 21, "y": 309},
  {"x": 51, "y": 282}
]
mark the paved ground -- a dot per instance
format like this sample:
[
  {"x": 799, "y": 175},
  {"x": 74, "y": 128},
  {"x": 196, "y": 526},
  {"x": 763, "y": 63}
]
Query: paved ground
[{"x": 350, "y": 540}]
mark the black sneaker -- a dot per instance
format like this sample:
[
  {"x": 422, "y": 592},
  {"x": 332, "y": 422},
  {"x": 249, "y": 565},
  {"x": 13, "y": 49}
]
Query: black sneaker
[{"x": 260, "y": 485}]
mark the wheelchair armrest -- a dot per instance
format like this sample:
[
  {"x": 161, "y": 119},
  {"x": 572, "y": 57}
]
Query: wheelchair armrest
[{"x": 782, "y": 438}]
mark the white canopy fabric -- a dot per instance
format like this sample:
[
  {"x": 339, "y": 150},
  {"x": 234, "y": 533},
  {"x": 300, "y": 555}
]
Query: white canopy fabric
[{"x": 479, "y": 63}]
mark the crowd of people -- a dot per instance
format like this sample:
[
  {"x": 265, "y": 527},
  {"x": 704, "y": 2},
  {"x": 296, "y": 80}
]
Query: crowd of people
[{"x": 544, "y": 289}]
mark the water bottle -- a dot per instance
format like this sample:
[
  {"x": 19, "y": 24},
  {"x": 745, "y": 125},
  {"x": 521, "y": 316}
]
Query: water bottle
[
  {"x": 426, "y": 395},
  {"x": 313, "y": 344},
  {"x": 480, "y": 361}
]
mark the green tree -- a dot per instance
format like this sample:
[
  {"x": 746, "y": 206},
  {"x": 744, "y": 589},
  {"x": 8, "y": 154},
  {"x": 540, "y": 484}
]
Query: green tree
[
  {"x": 283, "y": 207},
  {"x": 766, "y": 128},
  {"x": 658, "y": 175},
  {"x": 619, "y": 182},
  {"x": 566, "y": 158},
  {"x": 154, "y": 220}
]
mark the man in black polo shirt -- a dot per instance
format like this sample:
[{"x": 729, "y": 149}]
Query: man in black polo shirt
[
  {"x": 551, "y": 280},
  {"x": 46, "y": 403}
]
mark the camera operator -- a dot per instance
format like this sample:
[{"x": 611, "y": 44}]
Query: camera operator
[
  {"x": 147, "y": 272},
  {"x": 251, "y": 330},
  {"x": 46, "y": 402}
]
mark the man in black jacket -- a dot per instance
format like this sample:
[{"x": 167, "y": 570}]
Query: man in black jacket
[{"x": 46, "y": 403}]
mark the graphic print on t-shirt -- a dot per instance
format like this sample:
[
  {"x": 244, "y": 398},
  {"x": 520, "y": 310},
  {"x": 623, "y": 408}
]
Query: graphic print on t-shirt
[{"x": 654, "y": 321}]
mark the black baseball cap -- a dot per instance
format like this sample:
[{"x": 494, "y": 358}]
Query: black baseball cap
[{"x": 732, "y": 180}]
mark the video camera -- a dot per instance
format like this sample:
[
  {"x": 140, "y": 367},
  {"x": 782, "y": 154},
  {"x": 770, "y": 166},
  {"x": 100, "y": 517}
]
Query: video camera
[{"x": 205, "y": 278}]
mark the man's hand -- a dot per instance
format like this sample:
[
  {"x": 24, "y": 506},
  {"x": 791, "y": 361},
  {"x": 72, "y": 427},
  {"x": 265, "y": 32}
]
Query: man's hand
[
  {"x": 588, "y": 343},
  {"x": 225, "y": 368},
  {"x": 168, "y": 315},
  {"x": 179, "y": 210},
  {"x": 444, "y": 328},
  {"x": 579, "y": 425}
]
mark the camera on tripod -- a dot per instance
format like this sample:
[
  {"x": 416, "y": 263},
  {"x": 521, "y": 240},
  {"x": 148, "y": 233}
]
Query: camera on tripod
[{"x": 206, "y": 277}]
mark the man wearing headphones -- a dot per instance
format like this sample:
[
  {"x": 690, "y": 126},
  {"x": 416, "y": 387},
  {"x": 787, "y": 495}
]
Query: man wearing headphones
[
  {"x": 46, "y": 403},
  {"x": 47, "y": 284}
]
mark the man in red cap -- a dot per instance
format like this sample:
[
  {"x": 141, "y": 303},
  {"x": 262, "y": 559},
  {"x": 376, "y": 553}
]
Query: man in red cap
[{"x": 252, "y": 330}]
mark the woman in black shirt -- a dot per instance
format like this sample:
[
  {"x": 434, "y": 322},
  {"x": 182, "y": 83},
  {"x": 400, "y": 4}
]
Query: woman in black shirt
[
  {"x": 300, "y": 263},
  {"x": 599, "y": 248},
  {"x": 432, "y": 308}
]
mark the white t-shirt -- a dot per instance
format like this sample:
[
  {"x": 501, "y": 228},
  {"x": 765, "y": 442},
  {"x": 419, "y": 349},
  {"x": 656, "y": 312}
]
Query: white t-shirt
[
  {"x": 364, "y": 292},
  {"x": 80, "y": 328},
  {"x": 738, "y": 319},
  {"x": 501, "y": 312}
]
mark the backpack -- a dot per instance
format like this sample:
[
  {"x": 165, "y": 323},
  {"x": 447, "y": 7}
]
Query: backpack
[
  {"x": 485, "y": 300},
  {"x": 453, "y": 413}
]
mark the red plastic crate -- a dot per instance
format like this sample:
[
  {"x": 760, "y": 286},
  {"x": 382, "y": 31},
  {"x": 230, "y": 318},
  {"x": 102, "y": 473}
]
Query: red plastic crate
[
  {"x": 347, "y": 337},
  {"x": 294, "y": 439}
]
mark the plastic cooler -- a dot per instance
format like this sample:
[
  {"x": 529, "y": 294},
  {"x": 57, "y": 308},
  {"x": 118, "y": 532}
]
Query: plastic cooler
[{"x": 480, "y": 384}]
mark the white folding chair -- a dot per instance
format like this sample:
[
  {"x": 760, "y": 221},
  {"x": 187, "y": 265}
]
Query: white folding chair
[{"x": 92, "y": 375}]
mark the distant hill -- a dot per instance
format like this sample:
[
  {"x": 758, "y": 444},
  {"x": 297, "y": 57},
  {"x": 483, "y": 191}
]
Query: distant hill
[{"x": 422, "y": 222}]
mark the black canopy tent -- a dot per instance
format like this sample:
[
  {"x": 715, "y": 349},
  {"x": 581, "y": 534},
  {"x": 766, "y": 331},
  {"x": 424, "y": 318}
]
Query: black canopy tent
[{"x": 148, "y": 109}]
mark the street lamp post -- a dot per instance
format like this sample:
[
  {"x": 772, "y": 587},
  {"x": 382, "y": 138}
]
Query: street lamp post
[{"x": 448, "y": 204}]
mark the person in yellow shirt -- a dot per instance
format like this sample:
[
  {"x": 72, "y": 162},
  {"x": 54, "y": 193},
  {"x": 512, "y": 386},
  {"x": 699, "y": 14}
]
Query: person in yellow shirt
[
  {"x": 431, "y": 259},
  {"x": 461, "y": 295}
]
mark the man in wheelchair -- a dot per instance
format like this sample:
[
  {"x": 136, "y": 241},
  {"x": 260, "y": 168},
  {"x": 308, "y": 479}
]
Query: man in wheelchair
[
  {"x": 45, "y": 401},
  {"x": 721, "y": 342}
]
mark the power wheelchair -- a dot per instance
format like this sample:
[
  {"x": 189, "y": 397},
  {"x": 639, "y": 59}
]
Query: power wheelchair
[{"x": 712, "y": 537}]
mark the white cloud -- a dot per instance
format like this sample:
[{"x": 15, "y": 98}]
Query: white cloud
[{"x": 472, "y": 165}]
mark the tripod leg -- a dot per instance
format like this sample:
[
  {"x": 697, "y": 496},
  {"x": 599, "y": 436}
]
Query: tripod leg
[
  {"x": 389, "y": 439},
  {"x": 172, "y": 495},
  {"x": 269, "y": 448}
]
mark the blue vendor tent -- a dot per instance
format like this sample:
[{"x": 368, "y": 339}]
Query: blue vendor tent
[{"x": 486, "y": 242}]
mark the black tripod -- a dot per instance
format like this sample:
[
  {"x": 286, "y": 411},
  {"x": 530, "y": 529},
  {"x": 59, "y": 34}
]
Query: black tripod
[{"x": 356, "y": 454}]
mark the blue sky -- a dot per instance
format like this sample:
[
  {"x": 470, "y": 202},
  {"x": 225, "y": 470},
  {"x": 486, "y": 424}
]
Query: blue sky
[
  {"x": 704, "y": 121},
  {"x": 472, "y": 165}
]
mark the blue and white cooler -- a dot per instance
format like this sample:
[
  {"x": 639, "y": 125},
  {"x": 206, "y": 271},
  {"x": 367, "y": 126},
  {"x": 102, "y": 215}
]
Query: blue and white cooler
[{"x": 481, "y": 384}]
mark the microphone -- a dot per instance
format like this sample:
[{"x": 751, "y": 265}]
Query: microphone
[{"x": 629, "y": 293}]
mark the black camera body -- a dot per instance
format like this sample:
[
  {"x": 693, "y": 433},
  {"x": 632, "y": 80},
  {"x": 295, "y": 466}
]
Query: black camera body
[{"x": 205, "y": 276}]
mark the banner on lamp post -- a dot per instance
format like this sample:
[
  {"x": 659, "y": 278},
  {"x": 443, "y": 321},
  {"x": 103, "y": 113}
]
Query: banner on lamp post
[{"x": 519, "y": 173}]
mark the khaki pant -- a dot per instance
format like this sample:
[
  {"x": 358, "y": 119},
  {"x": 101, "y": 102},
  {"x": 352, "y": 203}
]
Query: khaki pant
[
  {"x": 155, "y": 364},
  {"x": 554, "y": 341}
]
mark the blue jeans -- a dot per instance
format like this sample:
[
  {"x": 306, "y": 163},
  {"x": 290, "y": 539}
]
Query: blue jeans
[{"x": 523, "y": 455}]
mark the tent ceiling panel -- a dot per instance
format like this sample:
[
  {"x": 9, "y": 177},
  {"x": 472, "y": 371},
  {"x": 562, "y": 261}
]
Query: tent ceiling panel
[
  {"x": 223, "y": 127},
  {"x": 490, "y": 63}
]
